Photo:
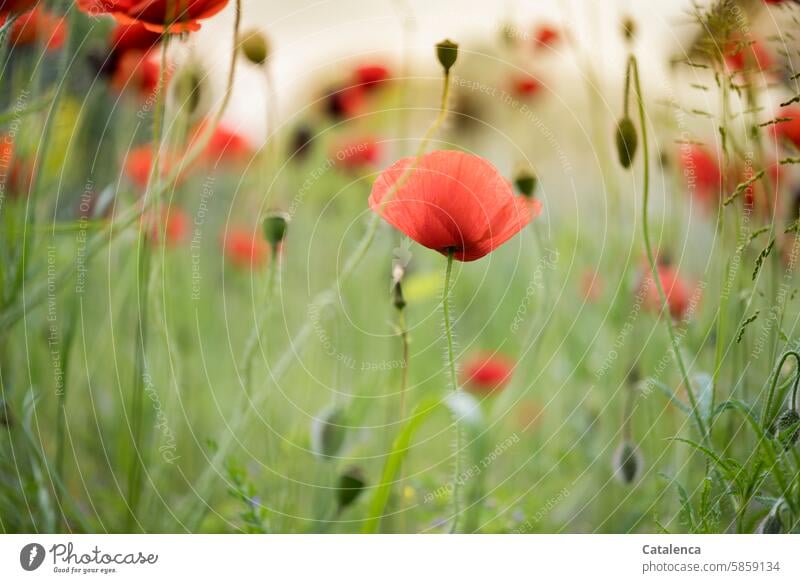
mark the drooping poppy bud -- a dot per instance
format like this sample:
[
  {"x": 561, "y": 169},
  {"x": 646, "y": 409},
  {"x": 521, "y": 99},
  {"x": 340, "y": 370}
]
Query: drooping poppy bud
[
  {"x": 188, "y": 88},
  {"x": 627, "y": 462},
  {"x": 787, "y": 428},
  {"x": 6, "y": 420},
  {"x": 254, "y": 47},
  {"x": 628, "y": 29},
  {"x": 350, "y": 486},
  {"x": 627, "y": 140},
  {"x": 328, "y": 433},
  {"x": 447, "y": 53},
  {"x": 275, "y": 226},
  {"x": 525, "y": 181},
  {"x": 397, "y": 296},
  {"x": 300, "y": 143},
  {"x": 772, "y": 523}
]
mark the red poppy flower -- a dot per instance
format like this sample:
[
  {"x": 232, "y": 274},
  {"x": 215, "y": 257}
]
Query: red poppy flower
[
  {"x": 38, "y": 25},
  {"x": 9, "y": 6},
  {"x": 678, "y": 292},
  {"x": 344, "y": 103},
  {"x": 156, "y": 15},
  {"x": 749, "y": 56},
  {"x": 133, "y": 37},
  {"x": 525, "y": 86},
  {"x": 245, "y": 248},
  {"x": 591, "y": 285},
  {"x": 356, "y": 154},
  {"x": 139, "y": 165},
  {"x": 485, "y": 373},
  {"x": 451, "y": 201},
  {"x": 789, "y": 130},
  {"x": 225, "y": 145},
  {"x": 702, "y": 173},
  {"x": 370, "y": 76},
  {"x": 545, "y": 36},
  {"x": 137, "y": 71},
  {"x": 174, "y": 225}
]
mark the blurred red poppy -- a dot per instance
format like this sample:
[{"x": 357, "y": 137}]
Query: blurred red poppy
[
  {"x": 139, "y": 164},
  {"x": 133, "y": 37},
  {"x": 8, "y": 6},
  {"x": 156, "y": 15},
  {"x": 357, "y": 153},
  {"x": 370, "y": 76},
  {"x": 789, "y": 130},
  {"x": 450, "y": 201},
  {"x": 591, "y": 285},
  {"x": 485, "y": 373},
  {"x": 525, "y": 86},
  {"x": 225, "y": 146},
  {"x": 344, "y": 103},
  {"x": 137, "y": 71},
  {"x": 752, "y": 55},
  {"x": 245, "y": 248},
  {"x": 702, "y": 173},
  {"x": 38, "y": 25},
  {"x": 545, "y": 36},
  {"x": 174, "y": 225},
  {"x": 677, "y": 291}
]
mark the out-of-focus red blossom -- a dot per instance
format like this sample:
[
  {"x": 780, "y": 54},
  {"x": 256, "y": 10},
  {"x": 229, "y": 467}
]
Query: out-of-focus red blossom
[
  {"x": 591, "y": 285},
  {"x": 485, "y": 373},
  {"x": 174, "y": 224},
  {"x": 245, "y": 248},
  {"x": 344, "y": 103},
  {"x": 357, "y": 153},
  {"x": 156, "y": 15},
  {"x": 370, "y": 76},
  {"x": 139, "y": 164},
  {"x": 545, "y": 36},
  {"x": 525, "y": 86},
  {"x": 752, "y": 55},
  {"x": 702, "y": 173},
  {"x": 225, "y": 145},
  {"x": 678, "y": 292},
  {"x": 9, "y": 6},
  {"x": 137, "y": 71},
  {"x": 789, "y": 130},
  {"x": 37, "y": 25},
  {"x": 450, "y": 201},
  {"x": 133, "y": 37}
]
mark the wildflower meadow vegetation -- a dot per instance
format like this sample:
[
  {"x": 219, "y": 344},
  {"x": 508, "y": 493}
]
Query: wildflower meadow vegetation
[{"x": 492, "y": 284}]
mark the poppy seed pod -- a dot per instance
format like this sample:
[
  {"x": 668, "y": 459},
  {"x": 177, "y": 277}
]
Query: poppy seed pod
[
  {"x": 275, "y": 226},
  {"x": 351, "y": 484},
  {"x": 787, "y": 428},
  {"x": 447, "y": 53},
  {"x": 628, "y": 29},
  {"x": 254, "y": 47},
  {"x": 526, "y": 183},
  {"x": 627, "y": 462},
  {"x": 627, "y": 140},
  {"x": 328, "y": 433}
]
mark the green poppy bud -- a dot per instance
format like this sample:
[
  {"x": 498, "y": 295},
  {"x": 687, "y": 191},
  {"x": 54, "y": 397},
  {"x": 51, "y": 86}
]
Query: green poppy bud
[
  {"x": 254, "y": 47},
  {"x": 771, "y": 524},
  {"x": 627, "y": 140},
  {"x": 328, "y": 433},
  {"x": 188, "y": 88},
  {"x": 526, "y": 183},
  {"x": 627, "y": 462},
  {"x": 275, "y": 226},
  {"x": 787, "y": 428},
  {"x": 447, "y": 53},
  {"x": 348, "y": 489}
]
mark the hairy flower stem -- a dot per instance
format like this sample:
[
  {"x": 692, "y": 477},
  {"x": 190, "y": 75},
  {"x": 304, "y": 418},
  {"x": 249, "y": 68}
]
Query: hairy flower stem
[
  {"x": 451, "y": 363},
  {"x": 151, "y": 226},
  {"x": 632, "y": 75}
]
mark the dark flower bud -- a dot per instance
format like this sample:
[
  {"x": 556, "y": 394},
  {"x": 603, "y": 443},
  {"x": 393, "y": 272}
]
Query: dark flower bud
[
  {"x": 6, "y": 420},
  {"x": 627, "y": 140},
  {"x": 275, "y": 226},
  {"x": 787, "y": 428},
  {"x": 254, "y": 47},
  {"x": 397, "y": 296},
  {"x": 628, "y": 28},
  {"x": 627, "y": 462},
  {"x": 301, "y": 142},
  {"x": 188, "y": 90},
  {"x": 771, "y": 524},
  {"x": 447, "y": 53},
  {"x": 526, "y": 183},
  {"x": 351, "y": 484}
]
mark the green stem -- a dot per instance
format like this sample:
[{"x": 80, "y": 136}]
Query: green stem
[
  {"x": 451, "y": 362},
  {"x": 248, "y": 360},
  {"x": 766, "y": 414},
  {"x": 634, "y": 70}
]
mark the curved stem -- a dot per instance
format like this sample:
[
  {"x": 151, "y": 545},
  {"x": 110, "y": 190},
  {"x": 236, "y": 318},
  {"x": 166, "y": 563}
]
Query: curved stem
[
  {"x": 634, "y": 71},
  {"x": 766, "y": 413},
  {"x": 248, "y": 359},
  {"x": 451, "y": 362}
]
